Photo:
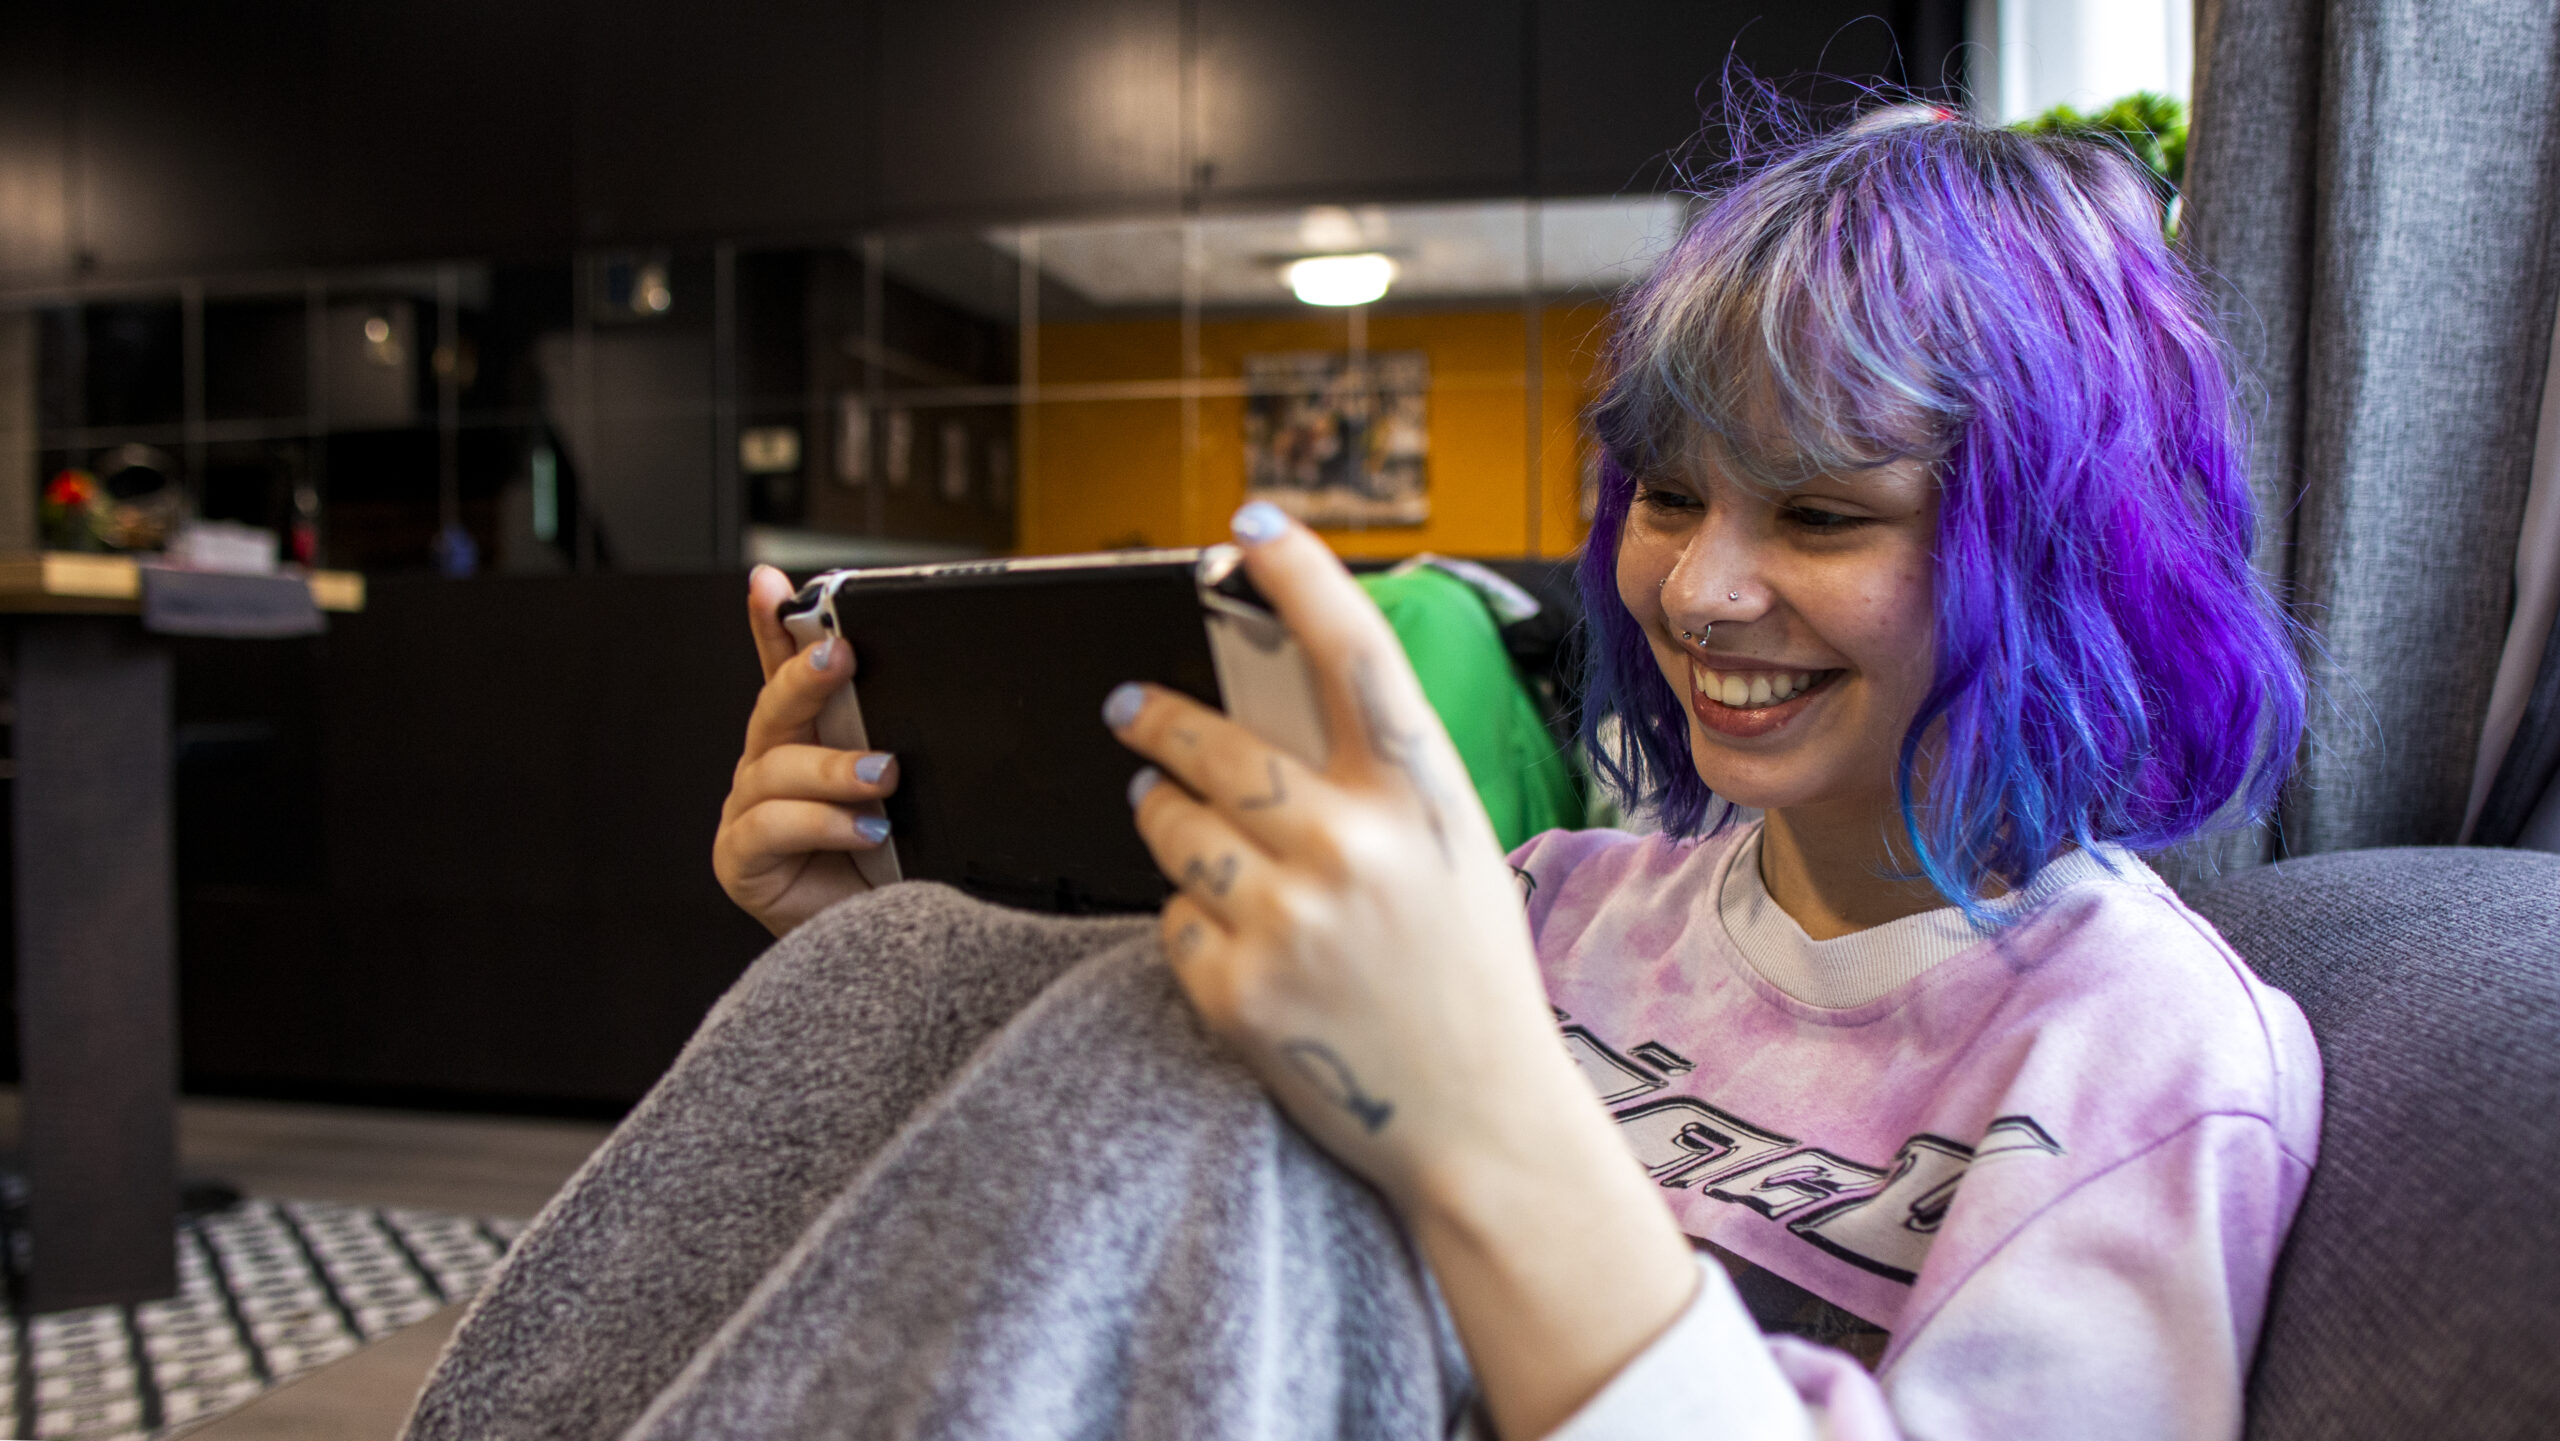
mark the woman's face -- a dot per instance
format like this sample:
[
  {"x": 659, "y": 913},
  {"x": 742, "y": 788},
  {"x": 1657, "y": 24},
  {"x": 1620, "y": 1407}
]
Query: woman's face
[{"x": 1820, "y": 598}]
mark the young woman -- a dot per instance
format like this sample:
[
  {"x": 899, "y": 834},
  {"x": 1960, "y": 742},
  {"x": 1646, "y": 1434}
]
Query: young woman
[{"x": 1923, "y": 533}]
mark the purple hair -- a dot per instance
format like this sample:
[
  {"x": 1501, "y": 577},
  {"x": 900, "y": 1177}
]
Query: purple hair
[{"x": 2001, "y": 307}]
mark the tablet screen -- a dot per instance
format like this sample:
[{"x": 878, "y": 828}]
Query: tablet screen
[{"x": 988, "y": 688}]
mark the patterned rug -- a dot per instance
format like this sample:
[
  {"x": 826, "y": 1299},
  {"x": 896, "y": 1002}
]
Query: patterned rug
[{"x": 267, "y": 1290}]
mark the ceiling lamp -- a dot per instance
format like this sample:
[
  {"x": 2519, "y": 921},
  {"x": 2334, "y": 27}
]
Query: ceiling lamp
[{"x": 1340, "y": 279}]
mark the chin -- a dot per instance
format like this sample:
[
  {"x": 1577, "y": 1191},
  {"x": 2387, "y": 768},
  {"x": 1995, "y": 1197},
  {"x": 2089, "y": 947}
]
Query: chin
[
  {"x": 1759, "y": 782},
  {"x": 1785, "y": 781}
]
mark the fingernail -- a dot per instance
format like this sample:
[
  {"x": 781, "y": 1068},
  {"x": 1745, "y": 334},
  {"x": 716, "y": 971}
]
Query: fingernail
[
  {"x": 825, "y": 655},
  {"x": 1259, "y": 521},
  {"x": 1141, "y": 783},
  {"x": 1123, "y": 704},
  {"x": 870, "y": 769},
  {"x": 874, "y": 829}
]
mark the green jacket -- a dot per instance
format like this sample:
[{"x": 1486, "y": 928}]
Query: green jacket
[{"x": 1521, "y": 774}]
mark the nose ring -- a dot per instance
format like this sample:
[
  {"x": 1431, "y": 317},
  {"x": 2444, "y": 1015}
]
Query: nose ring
[{"x": 1701, "y": 637}]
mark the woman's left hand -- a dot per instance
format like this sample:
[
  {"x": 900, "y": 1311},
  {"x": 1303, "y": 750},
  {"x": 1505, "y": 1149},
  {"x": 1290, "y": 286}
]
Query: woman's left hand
[{"x": 1355, "y": 934}]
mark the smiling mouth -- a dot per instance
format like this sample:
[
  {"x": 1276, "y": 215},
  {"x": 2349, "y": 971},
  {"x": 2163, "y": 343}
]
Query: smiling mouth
[
  {"x": 1754, "y": 689},
  {"x": 1745, "y": 704}
]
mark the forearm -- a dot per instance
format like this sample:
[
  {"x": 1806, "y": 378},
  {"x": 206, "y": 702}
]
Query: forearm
[{"x": 1557, "y": 1258}]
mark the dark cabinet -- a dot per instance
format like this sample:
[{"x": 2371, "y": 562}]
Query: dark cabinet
[
  {"x": 1360, "y": 99},
  {"x": 196, "y": 134},
  {"x": 1628, "y": 90},
  {"x": 501, "y": 893},
  {"x": 35, "y": 132},
  {"x": 448, "y": 128},
  {"x": 159, "y": 137},
  {"x": 699, "y": 120},
  {"x": 997, "y": 107}
]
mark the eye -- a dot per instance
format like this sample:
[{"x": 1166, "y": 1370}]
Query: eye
[
  {"x": 1817, "y": 518},
  {"x": 1665, "y": 499}
]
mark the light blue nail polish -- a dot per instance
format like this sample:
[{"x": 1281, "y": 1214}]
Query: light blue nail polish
[
  {"x": 870, "y": 769},
  {"x": 874, "y": 829},
  {"x": 1123, "y": 704},
  {"x": 1141, "y": 783},
  {"x": 825, "y": 655},
  {"x": 1259, "y": 521}
]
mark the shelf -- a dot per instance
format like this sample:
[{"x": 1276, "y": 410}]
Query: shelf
[{"x": 57, "y": 580}]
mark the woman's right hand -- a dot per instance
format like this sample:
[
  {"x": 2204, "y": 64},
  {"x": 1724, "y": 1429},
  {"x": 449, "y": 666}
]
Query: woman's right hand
[{"x": 796, "y": 809}]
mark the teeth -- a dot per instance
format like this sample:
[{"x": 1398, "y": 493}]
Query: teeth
[{"x": 1753, "y": 689}]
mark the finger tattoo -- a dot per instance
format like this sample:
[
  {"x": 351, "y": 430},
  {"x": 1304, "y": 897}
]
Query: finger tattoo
[
  {"x": 1326, "y": 1069},
  {"x": 1215, "y": 879},
  {"x": 1401, "y": 747},
  {"x": 1187, "y": 940},
  {"x": 1277, "y": 795}
]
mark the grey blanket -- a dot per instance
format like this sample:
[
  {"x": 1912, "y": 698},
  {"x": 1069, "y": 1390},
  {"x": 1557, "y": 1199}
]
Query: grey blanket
[{"x": 937, "y": 1169}]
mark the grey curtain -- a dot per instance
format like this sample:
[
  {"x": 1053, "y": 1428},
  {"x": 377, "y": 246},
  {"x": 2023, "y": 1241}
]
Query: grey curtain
[
  {"x": 2524, "y": 787},
  {"x": 2374, "y": 185}
]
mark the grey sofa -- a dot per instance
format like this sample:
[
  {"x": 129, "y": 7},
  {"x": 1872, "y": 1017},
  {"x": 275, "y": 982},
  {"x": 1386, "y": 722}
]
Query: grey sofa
[{"x": 2419, "y": 1295}]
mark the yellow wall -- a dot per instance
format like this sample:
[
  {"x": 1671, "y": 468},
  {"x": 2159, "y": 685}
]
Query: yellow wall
[{"x": 1100, "y": 473}]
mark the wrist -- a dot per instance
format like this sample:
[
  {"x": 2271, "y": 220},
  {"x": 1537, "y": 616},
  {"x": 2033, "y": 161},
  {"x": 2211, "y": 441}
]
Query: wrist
[
  {"x": 1556, "y": 1253},
  {"x": 1555, "y": 1163}
]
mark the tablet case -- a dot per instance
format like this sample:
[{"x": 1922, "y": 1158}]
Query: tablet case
[{"x": 986, "y": 680}]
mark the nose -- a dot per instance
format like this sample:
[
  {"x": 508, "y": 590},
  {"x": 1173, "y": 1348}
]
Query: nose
[{"x": 1717, "y": 579}]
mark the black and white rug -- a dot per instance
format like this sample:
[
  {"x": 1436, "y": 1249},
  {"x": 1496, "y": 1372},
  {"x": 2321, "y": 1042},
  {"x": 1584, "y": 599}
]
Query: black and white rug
[{"x": 267, "y": 1290}]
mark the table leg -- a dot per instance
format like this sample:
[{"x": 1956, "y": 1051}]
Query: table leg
[{"x": 97, "y": 1033}]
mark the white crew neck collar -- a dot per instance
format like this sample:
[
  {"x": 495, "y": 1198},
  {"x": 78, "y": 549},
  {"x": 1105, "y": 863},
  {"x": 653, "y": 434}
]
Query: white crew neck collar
[{"x": 1867, "y": 965}]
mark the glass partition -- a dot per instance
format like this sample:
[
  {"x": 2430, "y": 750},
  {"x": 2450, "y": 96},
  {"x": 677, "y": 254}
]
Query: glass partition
[{"x": 1407, "y": 377}]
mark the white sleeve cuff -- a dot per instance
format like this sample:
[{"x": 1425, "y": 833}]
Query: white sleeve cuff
[{"x": 1710, "y": 1371}]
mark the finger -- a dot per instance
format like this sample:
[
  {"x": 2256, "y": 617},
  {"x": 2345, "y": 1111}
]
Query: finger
[
  {"x": 787, "y": 708},
  {"x": 1363, "y": 682},
  {"x": 779, "y": 831},
  {"x": 1189, "y": 932},
  {"x": 1377, "y": 721},
  {"x": 767, "y": 589},
  {"x": 814, "y": 773},
  {"x": 1203, "y": 957},
  {"x": 1261, "y": 789},
  {"x": 1217, "y": 866}
]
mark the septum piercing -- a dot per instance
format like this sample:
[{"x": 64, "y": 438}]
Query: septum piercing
[{"x": 1701, "y": 637}]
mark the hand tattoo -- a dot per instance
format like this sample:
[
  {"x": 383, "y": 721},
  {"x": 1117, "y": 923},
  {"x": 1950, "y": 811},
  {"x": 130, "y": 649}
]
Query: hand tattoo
[
  {"x": 1214, "y": 879},
  {"x": 1257, "y": 803},
  {"x": 1187, "y": 940},
  {"x": 1400, "y": 747},
  {"x": 1317, "y": 1062}
]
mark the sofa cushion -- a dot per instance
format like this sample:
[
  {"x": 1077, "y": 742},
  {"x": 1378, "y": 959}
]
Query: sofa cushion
[{"x": 2419, "y": 1295}]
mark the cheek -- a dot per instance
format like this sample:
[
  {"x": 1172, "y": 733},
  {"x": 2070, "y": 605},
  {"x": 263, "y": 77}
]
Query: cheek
[
  {"x": 1899, "y": 631},
  {"x": 1642, "y": 568}
]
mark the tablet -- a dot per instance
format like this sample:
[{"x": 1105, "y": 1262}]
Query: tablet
[{"x": 986, "y": 679}]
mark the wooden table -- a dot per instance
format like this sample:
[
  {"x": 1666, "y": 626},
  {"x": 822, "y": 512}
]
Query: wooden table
[{"x": 96, "y": 925}]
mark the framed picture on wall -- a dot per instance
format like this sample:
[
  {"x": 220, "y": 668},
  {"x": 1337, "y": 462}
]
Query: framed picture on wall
[{"x": 1340, "y": 440}]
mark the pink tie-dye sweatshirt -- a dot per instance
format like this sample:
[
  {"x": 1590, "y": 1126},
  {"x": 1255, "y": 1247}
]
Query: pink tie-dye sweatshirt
[{"x": 2056, "y": 1163}]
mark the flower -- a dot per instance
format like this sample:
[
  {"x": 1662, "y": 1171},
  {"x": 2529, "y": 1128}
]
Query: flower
[{"x": 71, "y": 489}]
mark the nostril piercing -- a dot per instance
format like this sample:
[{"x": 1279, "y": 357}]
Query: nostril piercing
[{"x": 1733, "y": 595}]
